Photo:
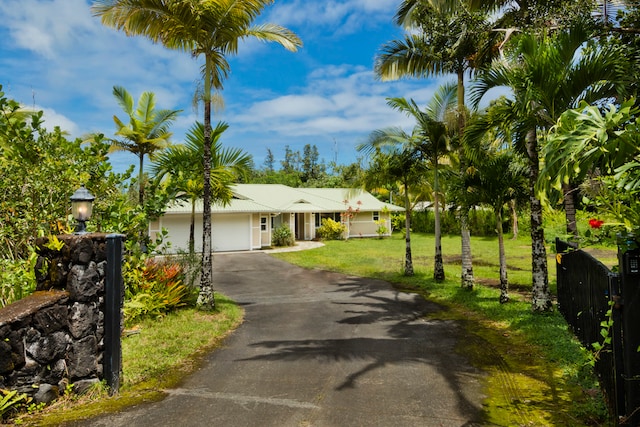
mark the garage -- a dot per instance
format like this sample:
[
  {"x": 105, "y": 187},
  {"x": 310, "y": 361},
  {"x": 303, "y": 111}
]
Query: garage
[
  {"x": 231, "y": 232},
  {"x": 247, "y": 221}
]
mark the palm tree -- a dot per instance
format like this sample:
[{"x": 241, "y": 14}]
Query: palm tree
[
  {"x": 432, "y": 136},
  {"x": 395, "y": 158},
  {"x": 498, "y": 178},
  {"x": 449, "y": 41},
  {"x": 546, "y": 79},
  {"x": 213, "y": 29},
  {"x": 146, "y": 130},
  {"x": 181, "y": 166}
]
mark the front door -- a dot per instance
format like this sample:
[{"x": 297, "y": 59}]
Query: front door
[
  {"x": 300, "y": 226},
  {"x": 265, "y": 231}
]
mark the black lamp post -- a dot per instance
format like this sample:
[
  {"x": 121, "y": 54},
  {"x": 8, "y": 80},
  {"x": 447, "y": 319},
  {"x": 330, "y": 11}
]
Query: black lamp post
[{"x": 81, "y": 208}]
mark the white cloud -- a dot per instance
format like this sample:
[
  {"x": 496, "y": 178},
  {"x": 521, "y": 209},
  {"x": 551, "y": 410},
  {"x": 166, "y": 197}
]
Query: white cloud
[
  {"x": 291, "y": 106},
  {"x": 46, "y": 27},
  {"x": 333, "y": 14},
  {"x": 52, "y": 119},
  {"x": 337, "y": 100}
]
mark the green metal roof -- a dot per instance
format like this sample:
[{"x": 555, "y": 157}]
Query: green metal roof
[{"x": 278, "y": 198}]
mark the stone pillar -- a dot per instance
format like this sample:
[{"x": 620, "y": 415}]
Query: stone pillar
[
  {"x": 55, "y": 337},
  {"x": 79, "y": 268}
]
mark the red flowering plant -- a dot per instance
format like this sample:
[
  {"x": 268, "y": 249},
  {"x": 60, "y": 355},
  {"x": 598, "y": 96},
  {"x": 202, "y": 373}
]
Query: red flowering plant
[
  {"x": 595, "y": 223},
  {"x": 599, "y": 233},
  {"x": 350, "y": 212}
]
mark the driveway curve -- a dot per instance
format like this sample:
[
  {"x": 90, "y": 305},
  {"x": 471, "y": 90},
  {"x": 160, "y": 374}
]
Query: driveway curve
[{"x": 321, "y": 349}]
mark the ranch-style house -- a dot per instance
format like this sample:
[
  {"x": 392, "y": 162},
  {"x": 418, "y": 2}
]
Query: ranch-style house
[{"x": 248, "y": 221}]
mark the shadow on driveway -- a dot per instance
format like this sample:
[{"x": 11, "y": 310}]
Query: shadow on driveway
[{"x": 322, "y": 349}]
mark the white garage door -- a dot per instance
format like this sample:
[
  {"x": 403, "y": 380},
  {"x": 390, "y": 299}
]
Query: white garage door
[
  {"x": 231, "y": 232},
  {"x": 178, "y": 228}
]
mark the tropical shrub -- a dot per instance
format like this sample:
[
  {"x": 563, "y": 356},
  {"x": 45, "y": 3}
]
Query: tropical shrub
[
  {"x": 154, "y": 286},
  {"x": 158, "y": 289},
  {"x": 382, "y": 228},
  {"x": 283, "y": 236},
  {"x": 17, "y": 278},
  {"x": 398, "y": 221},
  {"x": 481, "y": 222},
  {"x": 39, "y": 170},
  {"x": 331, "y": 230},
  {"x": 191, "y": 265}
]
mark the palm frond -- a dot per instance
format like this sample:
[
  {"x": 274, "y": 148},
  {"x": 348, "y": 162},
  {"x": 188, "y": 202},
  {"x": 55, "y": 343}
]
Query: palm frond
[
  {"x": 276, "y": 33},
  {"x": 411, "y": 57}
]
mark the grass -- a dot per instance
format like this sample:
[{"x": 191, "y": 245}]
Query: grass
[
  {"x": 156, "y": 355},
  {"x": 538, "y": 374}
]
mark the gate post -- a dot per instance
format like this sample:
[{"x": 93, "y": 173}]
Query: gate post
[
  {"x": 629, "y": 263},
  {"x": 113, "y": 316}
]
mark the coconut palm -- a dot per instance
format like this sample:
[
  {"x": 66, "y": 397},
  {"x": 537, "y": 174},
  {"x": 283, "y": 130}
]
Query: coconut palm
[
  {"x": 209, "y": 28},
  {"x": 395, "y": 158},
  {"x": 181, "y": 165},
  {"x": 144, "y": 132},
  {"x": 547, "y": 77},
  {"x": 432, "y": 138}
]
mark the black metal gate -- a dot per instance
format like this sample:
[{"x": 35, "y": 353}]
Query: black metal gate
[{"x": 590, "y": 294}]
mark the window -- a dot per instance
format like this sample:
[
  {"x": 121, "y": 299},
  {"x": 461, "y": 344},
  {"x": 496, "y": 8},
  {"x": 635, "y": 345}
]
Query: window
[
  {"x": 376, "y": 215},
  {"x": 263, "y": 223}
]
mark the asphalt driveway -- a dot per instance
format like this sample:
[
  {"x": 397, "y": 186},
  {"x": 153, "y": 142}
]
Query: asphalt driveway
[{"x": 321, "y": 349}]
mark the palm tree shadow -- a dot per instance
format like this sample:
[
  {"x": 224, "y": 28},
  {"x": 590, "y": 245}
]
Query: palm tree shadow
[{"x": 410, "y": 338}]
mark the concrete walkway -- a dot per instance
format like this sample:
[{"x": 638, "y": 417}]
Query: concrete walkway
[{"x": 320, "y": 349}]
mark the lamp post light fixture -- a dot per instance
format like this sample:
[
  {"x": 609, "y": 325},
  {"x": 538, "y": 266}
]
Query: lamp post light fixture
[{"x": 81, "y": 208}]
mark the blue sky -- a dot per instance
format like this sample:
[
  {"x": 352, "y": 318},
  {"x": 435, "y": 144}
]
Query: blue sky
[{"x": 56, "y": 57}]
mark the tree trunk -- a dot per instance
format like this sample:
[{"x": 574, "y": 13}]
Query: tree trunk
[
  {"x": 143, "y": 234},
  {"x": 438, "y": 267},
  {"x": 541, "y": 296},
  {"x": 466, "y": 277},
  {"x": 568, "y": 191},
  {"x": 140, "y": 181},
  {"x": 206, "y": 300},
  {"x": 408, "y": 261},
  {"x": 504, "y": 282},
  {"x": 514, "y": 219},
  {"x": 192, "y": 227}
]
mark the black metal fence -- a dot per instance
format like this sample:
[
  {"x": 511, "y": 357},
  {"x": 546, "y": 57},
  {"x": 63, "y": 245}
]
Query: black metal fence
[{"x": 590, "y": 294}]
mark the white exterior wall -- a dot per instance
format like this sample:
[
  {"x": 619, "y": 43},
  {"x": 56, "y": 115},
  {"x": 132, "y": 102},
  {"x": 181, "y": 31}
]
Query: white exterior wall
[
  {"x": 244, "y": 231},
  {"x": 363, "y": 225}
]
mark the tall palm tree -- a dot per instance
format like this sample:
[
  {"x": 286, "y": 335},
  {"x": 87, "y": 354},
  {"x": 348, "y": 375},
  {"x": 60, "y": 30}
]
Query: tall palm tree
[
  {"x": 449, "y": 40},
  {"x": 209, "y": 28},
  {"x": 144, "y": 132},
  {"x": 181, "y": 166},
  {"x": 395, "y": 158},
  {"x": 547, "y": 77},
  {"x": 432, "y": 137},
  {"x": 498, "y": 177}
]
